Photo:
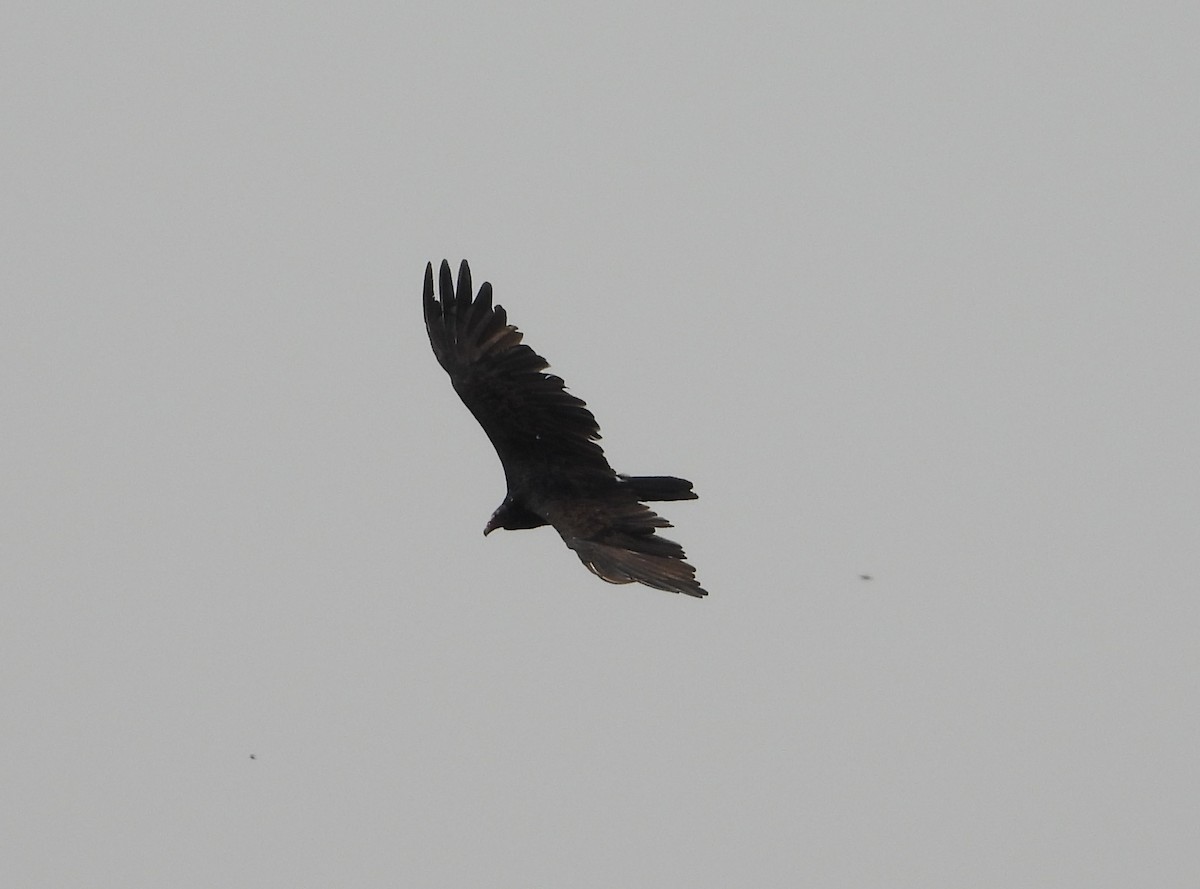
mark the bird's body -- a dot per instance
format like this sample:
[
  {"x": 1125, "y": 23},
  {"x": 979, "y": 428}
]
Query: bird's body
[{"x": 546, "y": 440}]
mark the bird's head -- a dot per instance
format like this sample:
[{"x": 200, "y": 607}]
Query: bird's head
[
  {"x": 501, "y": 518},
  {"x": 512, "y": 516}
]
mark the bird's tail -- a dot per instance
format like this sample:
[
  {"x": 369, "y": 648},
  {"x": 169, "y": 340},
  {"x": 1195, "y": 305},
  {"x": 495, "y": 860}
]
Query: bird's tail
[{"x": 660, "y": 487}]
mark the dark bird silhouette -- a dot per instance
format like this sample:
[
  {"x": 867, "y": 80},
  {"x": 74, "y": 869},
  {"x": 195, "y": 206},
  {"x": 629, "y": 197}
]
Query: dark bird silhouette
[{"x": 546, "y": 440}]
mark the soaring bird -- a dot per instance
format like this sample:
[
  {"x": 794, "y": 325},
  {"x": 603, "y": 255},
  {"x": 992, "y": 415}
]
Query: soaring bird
[{"x": 546, "y": 439}]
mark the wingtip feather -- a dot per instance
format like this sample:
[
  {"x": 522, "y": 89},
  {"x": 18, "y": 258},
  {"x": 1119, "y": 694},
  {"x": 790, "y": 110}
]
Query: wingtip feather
[{"x": 463, "y": 292}]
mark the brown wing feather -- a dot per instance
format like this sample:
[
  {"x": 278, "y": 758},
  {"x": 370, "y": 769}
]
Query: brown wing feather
[
  {"x": 529, "y": 417},
  {"x": 615, "y": 539}
]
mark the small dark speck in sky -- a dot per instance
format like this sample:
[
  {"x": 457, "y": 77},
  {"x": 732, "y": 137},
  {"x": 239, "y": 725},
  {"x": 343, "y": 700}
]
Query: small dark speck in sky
[
  {"x": 252, "y": 756},
  {"x": 865, "y": 576}
]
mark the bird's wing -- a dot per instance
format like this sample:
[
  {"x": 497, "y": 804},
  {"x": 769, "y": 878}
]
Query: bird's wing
[
  {"x": 614, "y": 537},
  {"x": 531, "y": 420}
]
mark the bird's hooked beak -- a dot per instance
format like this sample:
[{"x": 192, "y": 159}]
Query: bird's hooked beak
[{"x": 496, "y": 520}]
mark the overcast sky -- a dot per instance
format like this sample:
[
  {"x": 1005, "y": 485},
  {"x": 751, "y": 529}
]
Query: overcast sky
[{"x": 907, "y": 291}]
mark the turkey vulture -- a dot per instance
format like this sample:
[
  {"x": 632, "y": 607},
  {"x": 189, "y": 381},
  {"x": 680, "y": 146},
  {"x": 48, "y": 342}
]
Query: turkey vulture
[{"x": 546, "y": 440}]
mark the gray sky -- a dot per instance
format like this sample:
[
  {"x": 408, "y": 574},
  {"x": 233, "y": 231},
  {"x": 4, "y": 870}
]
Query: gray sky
[{"x": 906, "y": 290}]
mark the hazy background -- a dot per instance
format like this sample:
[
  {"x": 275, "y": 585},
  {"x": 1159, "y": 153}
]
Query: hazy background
[{"x": 907, "y": 290}]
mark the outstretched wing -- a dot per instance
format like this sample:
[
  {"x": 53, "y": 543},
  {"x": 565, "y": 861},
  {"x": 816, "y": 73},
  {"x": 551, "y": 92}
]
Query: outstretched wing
[
  {"x": 615, "y": 539},
  {"x": 531, "y": 420}
]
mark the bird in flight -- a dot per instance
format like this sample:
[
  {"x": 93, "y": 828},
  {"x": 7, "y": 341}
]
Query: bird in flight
[{"x": 546, "y": 440}]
